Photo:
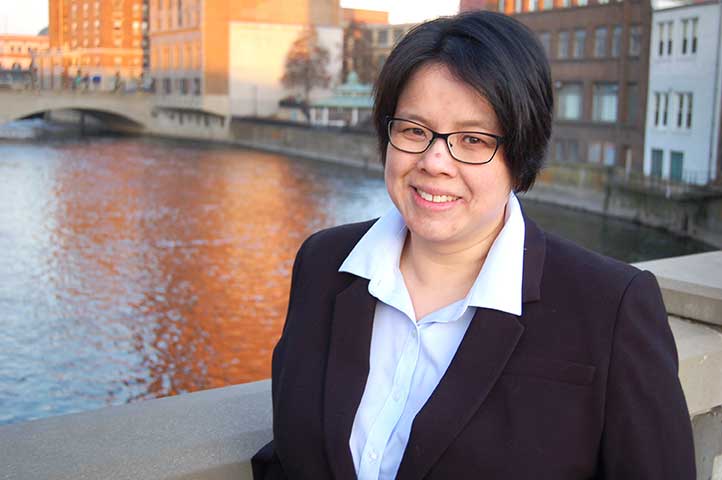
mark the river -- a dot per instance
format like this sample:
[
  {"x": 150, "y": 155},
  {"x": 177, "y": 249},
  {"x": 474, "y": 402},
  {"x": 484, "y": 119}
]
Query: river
[{"x": 134, "y": 268}]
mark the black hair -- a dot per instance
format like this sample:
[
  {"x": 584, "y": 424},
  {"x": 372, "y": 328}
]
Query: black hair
[{"x": 497, "y": 56}]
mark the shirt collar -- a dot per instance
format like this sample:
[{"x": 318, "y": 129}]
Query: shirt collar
[{"x": 498, "y": 285}]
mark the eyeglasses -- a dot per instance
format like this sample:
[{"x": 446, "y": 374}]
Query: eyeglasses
[{"x": 476, "y": 148}]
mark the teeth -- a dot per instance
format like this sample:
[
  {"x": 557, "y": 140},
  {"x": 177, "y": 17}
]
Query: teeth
[{"x": 435, "y": 198}]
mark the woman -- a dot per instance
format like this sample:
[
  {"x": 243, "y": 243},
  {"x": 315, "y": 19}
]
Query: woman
[{"x": 452, "y": 338}]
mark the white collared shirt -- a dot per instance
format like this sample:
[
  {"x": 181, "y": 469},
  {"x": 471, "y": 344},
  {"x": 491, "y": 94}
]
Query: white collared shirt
[{"x": 408, "y": 357}]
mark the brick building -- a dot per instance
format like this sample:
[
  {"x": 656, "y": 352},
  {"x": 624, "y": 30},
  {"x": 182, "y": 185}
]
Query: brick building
[
  {"x": 18, "y": 51},
  {"x": 98, "y": 38},
  {"x": 599, "y": 55},
  {"x": 368, "y": 40}
]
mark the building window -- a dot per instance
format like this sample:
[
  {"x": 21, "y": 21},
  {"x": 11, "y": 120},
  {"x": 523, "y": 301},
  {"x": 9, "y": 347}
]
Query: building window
[
  {"x": 566, "y": 151},
  {"x": 547, "y": 4},
  {"x": 661, "y": 108},
  {"x": 179, "y": 9},
  {"x": 676, "y": 161},
  {"x": 566, "y": 3},
  {"x": 398, "y": 33},
  {"x": 572, "y": 148},
  {"x": 635, "y": 40},
  {"x": 546, "y": 39},
  {"x": 533, "y": 5},
  {"x": 382, "y": 37},
  {"x": 680, "y": 109},
  {"x": 657, "y": 161},
  {"x": 581, "y": 3},
  {"x": 517, "y": 6},
  {"x": 569, "y": 101},
  {"x": 604, "y": 106},
  {"x": 689, "y": 36},
  {"x": 559, "y": 156},
  {"x": 563, "y": 45},
  {"x": 664, "y": 40},
  {"x": 166, "y": 86},
  {"x": 600, "y": 42},
  {"x": 610, "y": 154},
  {"x": 579, "y": 40},
  {"x": 616, "y": 41},
  {"x": 657, "y": 103},
  {"x": 594, "y": 154},
  {"x": 502, "y": 6},
  {"x": 684, "y": 110},
  {"x": 633, "y": 106}
]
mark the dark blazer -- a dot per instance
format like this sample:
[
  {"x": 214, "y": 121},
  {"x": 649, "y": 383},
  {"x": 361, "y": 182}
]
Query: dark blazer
[{"x": 582, "y": 386}]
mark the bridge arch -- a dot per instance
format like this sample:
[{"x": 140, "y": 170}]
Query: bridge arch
[{"x": 131, "y": 112}]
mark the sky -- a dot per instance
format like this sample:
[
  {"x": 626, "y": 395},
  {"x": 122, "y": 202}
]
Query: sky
[{"x": 29, "y": 16}]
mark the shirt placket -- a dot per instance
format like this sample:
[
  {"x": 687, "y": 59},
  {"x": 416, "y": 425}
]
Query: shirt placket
[{"x": 393, "y": 408}]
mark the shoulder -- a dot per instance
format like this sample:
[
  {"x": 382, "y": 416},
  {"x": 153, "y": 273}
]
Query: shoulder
[
  {"x": 583, "y": 272},
  {"x": 328, "y": 248}
]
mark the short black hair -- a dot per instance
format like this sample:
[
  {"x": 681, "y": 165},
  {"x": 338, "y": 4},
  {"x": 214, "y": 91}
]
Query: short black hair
[{"x": 497, "y": 56}]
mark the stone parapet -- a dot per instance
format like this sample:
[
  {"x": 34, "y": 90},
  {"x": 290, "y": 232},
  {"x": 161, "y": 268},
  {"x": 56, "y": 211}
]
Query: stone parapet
[{"x": 691, "y": 285}]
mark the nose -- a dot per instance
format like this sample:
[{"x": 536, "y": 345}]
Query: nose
[{"x": 437, "y": 159}]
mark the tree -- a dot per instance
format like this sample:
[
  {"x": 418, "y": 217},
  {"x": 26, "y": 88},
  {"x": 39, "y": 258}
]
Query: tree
[
  {"x": 306, "y": 64},
  {"x": 357, "y": 53}
]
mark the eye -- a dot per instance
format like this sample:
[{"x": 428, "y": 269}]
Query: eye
[
  {"x": 415, "y": 132},
  {"x": 476, "y": 140}
]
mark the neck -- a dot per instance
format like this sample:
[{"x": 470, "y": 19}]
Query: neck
[{"x": 446, "y": 267}]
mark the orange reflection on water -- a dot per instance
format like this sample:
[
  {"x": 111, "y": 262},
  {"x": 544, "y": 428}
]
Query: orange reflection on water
[{"x": 183, "y": 264}]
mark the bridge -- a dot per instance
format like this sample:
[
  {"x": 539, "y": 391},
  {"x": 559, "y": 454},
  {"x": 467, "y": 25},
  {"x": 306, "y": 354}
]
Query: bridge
[{"x": 130, "y": 112}]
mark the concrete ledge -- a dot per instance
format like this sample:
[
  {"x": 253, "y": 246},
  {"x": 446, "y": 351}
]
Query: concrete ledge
[
  {"x": 691, "y": 285},
  {"x": 209, "y": 435},
  {"x": 700, "y": 364}
]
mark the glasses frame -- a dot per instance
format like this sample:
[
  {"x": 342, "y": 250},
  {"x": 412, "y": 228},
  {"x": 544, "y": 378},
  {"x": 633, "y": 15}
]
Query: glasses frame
[{"x": 445, "y": 136}]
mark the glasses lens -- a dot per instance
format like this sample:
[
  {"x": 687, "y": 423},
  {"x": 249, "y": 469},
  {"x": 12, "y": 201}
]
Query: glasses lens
[
  {"x": 409, "y": 136},
  {"x": 472, "y": 147}
]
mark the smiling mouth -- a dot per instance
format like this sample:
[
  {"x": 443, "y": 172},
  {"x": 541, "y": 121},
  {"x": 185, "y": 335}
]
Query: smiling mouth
[{"x": 435, "y": 198}]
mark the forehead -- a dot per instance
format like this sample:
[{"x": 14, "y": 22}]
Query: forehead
[{"x": 441, "y": 100}]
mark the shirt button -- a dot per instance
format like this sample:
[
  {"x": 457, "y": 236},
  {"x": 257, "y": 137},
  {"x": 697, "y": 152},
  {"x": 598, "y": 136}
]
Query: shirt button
[{"x": 373, "y": 456}]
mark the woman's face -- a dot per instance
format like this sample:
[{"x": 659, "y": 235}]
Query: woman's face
[{"x": 468, "y": 200}]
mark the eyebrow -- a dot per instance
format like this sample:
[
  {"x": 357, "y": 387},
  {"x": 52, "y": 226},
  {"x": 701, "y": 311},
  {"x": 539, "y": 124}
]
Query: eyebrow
[{"x": 461, "y": 125}]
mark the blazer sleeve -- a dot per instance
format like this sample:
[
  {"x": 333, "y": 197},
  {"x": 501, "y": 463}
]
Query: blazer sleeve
[
  {"x": 647, "y": 429},
  {"x": 266, "y": 464}
]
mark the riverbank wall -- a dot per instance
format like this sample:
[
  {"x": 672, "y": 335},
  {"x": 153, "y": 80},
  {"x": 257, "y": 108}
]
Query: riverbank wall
[
  {"x": 212, "y": 435},
  {"x": 682, "y": 209},
  {"x": 685, "y": 210}
]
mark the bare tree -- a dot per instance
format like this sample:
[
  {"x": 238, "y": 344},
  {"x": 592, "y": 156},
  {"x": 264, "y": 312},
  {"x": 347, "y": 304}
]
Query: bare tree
[
  {"x": 357, "y": 53},
  {"x": 306, "y": 64}
]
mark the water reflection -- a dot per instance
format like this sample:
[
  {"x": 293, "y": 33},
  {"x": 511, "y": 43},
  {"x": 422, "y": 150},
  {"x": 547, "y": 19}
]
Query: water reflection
[{"x": 135, "y": 269}]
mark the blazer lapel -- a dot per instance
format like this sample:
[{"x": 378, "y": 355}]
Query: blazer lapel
[
  {"x": 478, "y": 363},
  {"x": 347, "y": 371}
]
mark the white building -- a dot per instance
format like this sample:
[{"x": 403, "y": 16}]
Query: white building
[{"x": 685, "y": 89}]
